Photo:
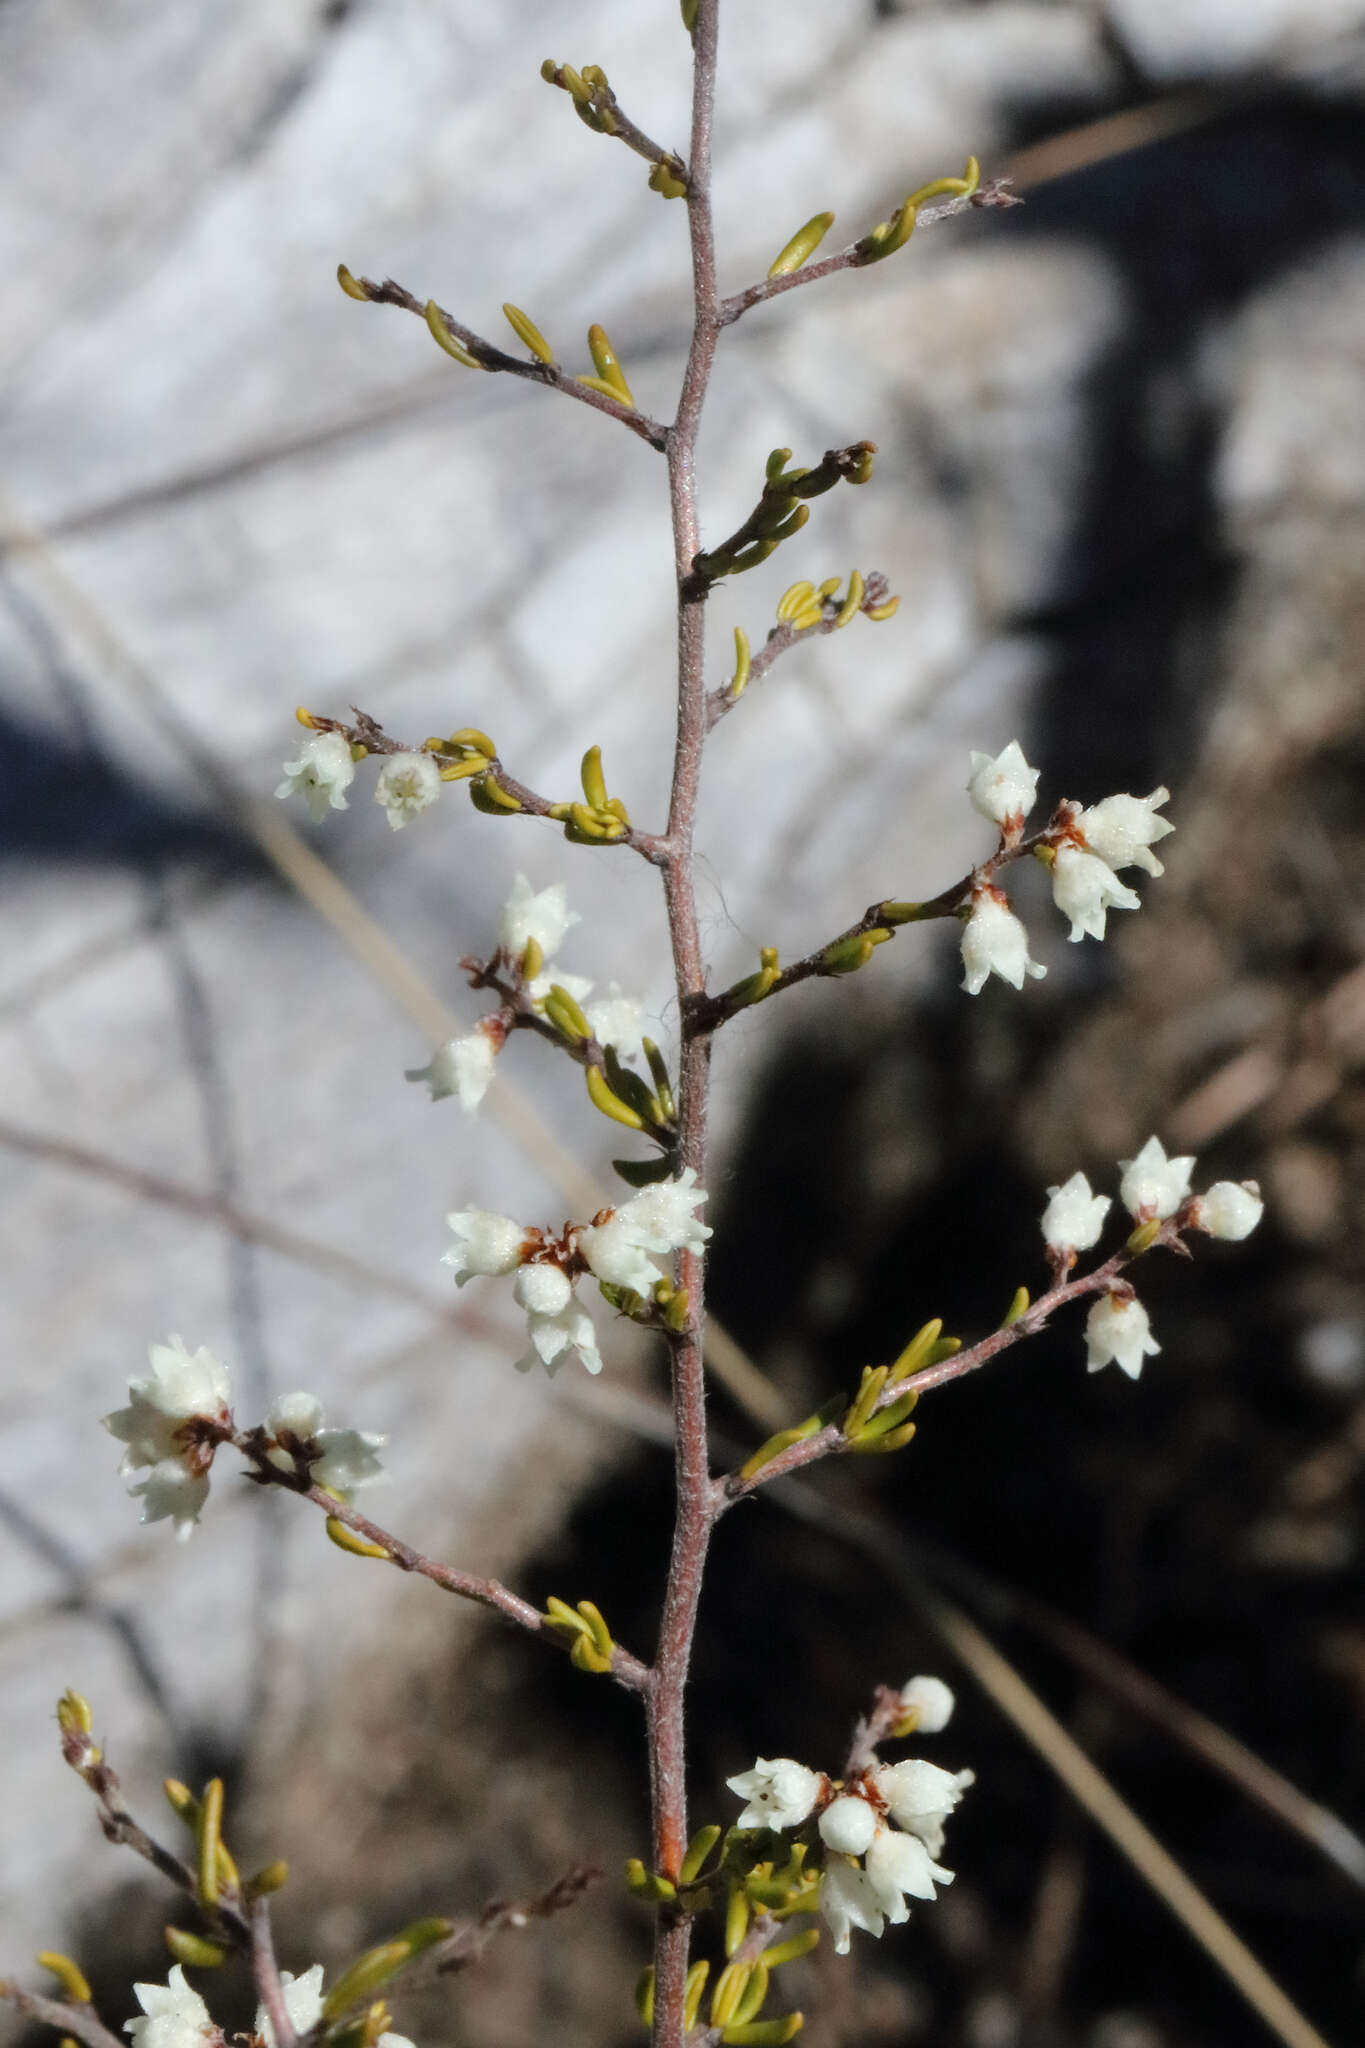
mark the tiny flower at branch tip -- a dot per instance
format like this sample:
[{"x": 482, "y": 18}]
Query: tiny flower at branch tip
[
  {"x": 778, "y": 1793},
  {"x": 1153, "y": 1186},
  {"x": 617, "y": 1021},
  {"x": 931, "y": 1702},
  {"x": 920, "y": 1796},
  {"x": 1003, "y": 787},
  {"x": 1084, "y": 889},
  {"x": 408, "y": 785},
  {"x": 1229, "y": 1209},
  {"x": 544, "y": 917},
  {"x": 177, "y": 1414},
  {"x": 322, "y": 774},
  {"x": 848, "y": 1825},
  {"x": 1121, "y": 830},
  {"x": 341, "y": 1460},
  {"x": 1074, "y": 1216},
  {"x": 995, "y": 942},
  {"x": 303, "y": 2001},
  {"x": 1117, "y": 1329},
  {"x": 462, "y": 1067},
  {"x": 488, "y": 1245}
]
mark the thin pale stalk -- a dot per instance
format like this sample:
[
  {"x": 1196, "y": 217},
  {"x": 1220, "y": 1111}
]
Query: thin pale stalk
[{"x": 266, "y": 1971}]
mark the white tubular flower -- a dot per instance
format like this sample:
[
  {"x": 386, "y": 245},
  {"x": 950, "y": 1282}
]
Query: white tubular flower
[
  {"x": 1003, "y": 787},
  {"x": 848, "y": 1825},
  {"x": 303, "y": 2003},
  {"x": 546, "y": 918},
  {"x": 408, "y": 785},
  {"x": 616, "y": 1021},
  {"x": 778, "y": 1793},
  {"x": 1121, "y": 830},
  {"x": 322, "y": 774},
  {"x": 170, "y": 1424},
  {"x": 1118, "y": 1329},
  {"x": 658, "y": 1220},
  {"x": 899, "y": 1864},
  {"x": 462, "y": 1067},
  {"x": 995, "y": 942},
  {"x": 849, "y": 1899},
  {"x": 1074, "y": 1217},
  {"x": 342, "y": 1460},
  {"x": 1085, "y": 889},
  {"x": 174, "y": 2016},
  {"x": 1230, "y": 1208},
  {"x": 486, "y": 1244},
  {"x": 920, "y": 1796},
  {"x": 1153, "y": 1186},
  {"x": 553, "y": 1335},
  {"x": 931, "y": 1702}
]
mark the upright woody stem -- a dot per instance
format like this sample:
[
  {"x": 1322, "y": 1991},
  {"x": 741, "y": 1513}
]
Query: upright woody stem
[{"x": 693, "y": 1514}]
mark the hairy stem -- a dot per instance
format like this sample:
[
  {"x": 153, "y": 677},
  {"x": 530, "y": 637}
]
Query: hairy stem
[{"x": 693, "y": 1514}]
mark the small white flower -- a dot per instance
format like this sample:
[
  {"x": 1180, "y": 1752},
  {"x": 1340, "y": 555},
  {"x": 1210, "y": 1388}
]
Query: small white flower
[
  {"x": 175, "y": 2016},
  {"x": 546, "y": 918},
  {"x": 1230, "y": 1208},
  {"x": 616, "y": 1021},
  {"x": 1119, "y": 1330},
  {"x": 778, "y": 1793},
  {"x": 658, "y": 1220},
  {"x": 342, "y": 1460},
  {"x": 322, "y": 774},
  {"x": 898, "y": 1864},
  {"x": 543, "y": 1289},
  {"x": 579, "y": 986},
  {"x": 303, "y": 2003},
  {"x": 169, "y": 1425},
  {"x": 995, "y": 942},
  {"x": 614, "y": 1255},
  {"x": 1084, "y": 889},
  {"x": 849, "y": 1899},
  {"x": 920, "y": 1796},
  {"x": 487, "y": 1244},
  {"x": 408, "y": 785},
  {"x": 848, "y": 1825},
  {"x": 931, "y": 1702},
  {"x": 1121, "y": 830},
  {"x": 462, "y": 1067},
  {"x": 569, "y": 1329},
  {"x": 1074, "y": 1217},
  {"x": 1153, "y": 1186},
  {"x": 1003, "y": 787}
]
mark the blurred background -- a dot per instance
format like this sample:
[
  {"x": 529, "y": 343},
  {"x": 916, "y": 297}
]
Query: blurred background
[{"x": 1121, "y": 489}]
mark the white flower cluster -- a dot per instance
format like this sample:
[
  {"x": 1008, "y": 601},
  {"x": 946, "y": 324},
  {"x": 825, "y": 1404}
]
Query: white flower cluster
[
  {"x": 408, "y": 784},
  {"x": 1085, "y": 848},
  {"x": 619, "y": 1250},
  {"x": 463, "y": 1067},
  {"x": 1152, "y": 1189},
  {"x": 179, "y": 1413},
  {"x": 882, "y": 1832},
  {"x": 175, "y": 2016}
]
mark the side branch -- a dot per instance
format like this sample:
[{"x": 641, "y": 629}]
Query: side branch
[
  {"x": 859, "y": 254},
  {"x": 381, "y": 1544},
  {"x": 787, "y": 634},
  {"x": 81, "y": 2020},
  {"x": 472, "y": 349}
]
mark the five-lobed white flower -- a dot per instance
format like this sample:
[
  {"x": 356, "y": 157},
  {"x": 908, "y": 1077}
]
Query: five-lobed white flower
[
  {"x": 173, "y": 2016},
  {"x": 1153, "y": 1186},
  {"x": 1085, "y": 889},
  {"x": 616, "y": 1020},
  {"x": 544, "y": 917},
  {"x": 342, "y": 1460},
  {"x": 1121, "y": 830},
  {"x": 778, "y": 1793},
  {"x": 322, "y": 774},
  {"x": 920, "y": 1796},
  {"x": 183, "y": 1387},
  {"x": 995, "y": 942},
  {"x": 1002, "y": 786},
  {"x": 930, "y": 1701},
  {"x": 408, "y": 784},
  {"x": 1119, "y": 1329},
  {"x": 1074, "y": 1216},
  {"x": 487, "y": 1244},
  {"x": 1230, "y": 1208},
  {"x": 658, "y": 1220},
  {"x": 303, "y": 2001},
  {"x": 898, "y": 1865},
  {"x": 849, "y": 1899},
  {"x": 462, "y": 1067}
]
